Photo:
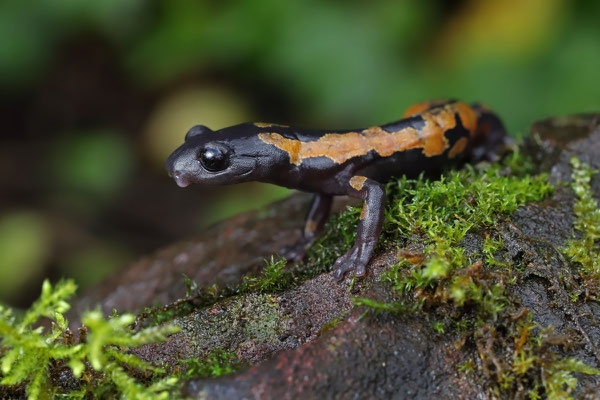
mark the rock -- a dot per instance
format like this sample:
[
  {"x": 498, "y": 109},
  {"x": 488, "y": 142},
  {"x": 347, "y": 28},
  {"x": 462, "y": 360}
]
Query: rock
[
  {"x": 221, "y": 255},
  {"x": 383, "y": 357}
]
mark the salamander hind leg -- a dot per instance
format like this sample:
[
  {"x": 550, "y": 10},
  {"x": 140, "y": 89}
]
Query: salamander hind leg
[
  {"x": 369, "y": 227},
  {"x": 317, "y": 215}
]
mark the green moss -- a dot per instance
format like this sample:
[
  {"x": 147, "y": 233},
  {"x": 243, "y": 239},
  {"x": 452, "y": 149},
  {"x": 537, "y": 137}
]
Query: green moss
[
  {"x": 558, "y": 380},
  {"x": 439, "y": 214},
  {"x": 467, "y": 367},
  {"x": 491, "y": 246},
  {"x": 216, "y": 363},
  {"x": 31, "y": 356},
  {"x": 439, "y": 326},
  {"x": 245, "y": 320},
  {"x": 195, "y": 298},
  {"x": 442, "y": 212},
  {"x": 585, "y": 250},
  {"x": 331, "y": 324},
  {"x": 273, "y": 278},
  {"x": 522, "y": 363}
]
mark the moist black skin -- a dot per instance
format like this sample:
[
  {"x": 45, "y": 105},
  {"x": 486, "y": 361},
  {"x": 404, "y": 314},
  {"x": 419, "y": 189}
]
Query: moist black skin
[{"x": 278, "y": 154}]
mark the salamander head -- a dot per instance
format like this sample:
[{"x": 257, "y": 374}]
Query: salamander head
[{"x": 211, "y": 158}]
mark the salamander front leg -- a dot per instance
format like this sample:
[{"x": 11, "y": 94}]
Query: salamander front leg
[
  {"x": 369, "y": 227},
  {"x": 317, "y": 215}
]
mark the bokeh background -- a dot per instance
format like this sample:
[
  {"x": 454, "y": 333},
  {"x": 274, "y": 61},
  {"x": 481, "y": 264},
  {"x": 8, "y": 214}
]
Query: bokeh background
[{"x": 95, "y": 94}]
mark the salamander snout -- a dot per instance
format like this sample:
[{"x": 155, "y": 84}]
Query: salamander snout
[
  {"x": 180, "y": 179},
  {"x": 178, "y": 167},
  {"x": 178, "y": 176}
]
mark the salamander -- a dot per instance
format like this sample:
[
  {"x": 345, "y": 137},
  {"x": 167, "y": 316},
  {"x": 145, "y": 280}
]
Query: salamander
[{"x": 353, "y": 162}]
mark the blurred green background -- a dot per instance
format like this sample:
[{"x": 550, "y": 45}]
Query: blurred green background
[{"x": 95, "y": 94}]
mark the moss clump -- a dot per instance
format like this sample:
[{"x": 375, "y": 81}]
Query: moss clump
[
  {"x": 438, "y": 215},
  {"x": 585, "y": 251},
  {"x": 272, "y": 279},
  {"x": 216, "y": 363},
  {"x": 519, "y": 358},
  {"x": 99, "y": 363}
]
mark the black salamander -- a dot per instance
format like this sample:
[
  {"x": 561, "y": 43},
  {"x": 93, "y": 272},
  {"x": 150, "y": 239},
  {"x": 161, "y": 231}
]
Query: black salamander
[{"x": 354, "y": 162}]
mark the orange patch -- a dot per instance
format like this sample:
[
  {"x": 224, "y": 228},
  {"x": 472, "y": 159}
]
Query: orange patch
[
  {"x": 364, "y": 212},
  {"x": 311, "y": 226},
  {"x": 340, "y": 147},
  {"x": 290, "y": 146},
  {"x": 458, "y": 147},
  {"x": 421, "y": 107},
  {"x": 357, "y": 182},
  {"x": 411, "y": 257},
  {"x": 467, "y": 116},
  {"x": 268, "y": 125}
]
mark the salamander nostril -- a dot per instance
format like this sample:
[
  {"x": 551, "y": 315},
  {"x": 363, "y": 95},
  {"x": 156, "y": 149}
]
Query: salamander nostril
[{"x": 180, "y": 178}]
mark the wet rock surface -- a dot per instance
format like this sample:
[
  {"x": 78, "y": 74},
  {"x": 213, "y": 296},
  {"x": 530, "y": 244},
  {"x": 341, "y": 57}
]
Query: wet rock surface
[
  {"x": 378, "y": 357},
  {"x": 311, "y": 342},
  {"x": 221, "y": 255}
]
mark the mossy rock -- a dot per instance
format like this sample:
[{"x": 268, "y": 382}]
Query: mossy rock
[{"x": 478, "y": 290}]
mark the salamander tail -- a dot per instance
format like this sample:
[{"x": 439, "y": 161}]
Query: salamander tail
[{"x": 490, "y": 140}]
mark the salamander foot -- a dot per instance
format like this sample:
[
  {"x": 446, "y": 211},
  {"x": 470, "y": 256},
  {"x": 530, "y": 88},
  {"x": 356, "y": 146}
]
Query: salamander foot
[
  {"x": 356, "y": 259},
  {"x": 295, "y": 252}
]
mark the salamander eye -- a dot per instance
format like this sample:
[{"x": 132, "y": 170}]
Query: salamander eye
[{"x": 214, "y": 158}]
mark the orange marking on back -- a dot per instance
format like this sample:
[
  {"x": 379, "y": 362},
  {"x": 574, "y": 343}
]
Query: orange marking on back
[
  {"x": 340, "y": 147},
  {"x": 357, "y": 182},
  {"x": 421, "y": 107},
  {"x": 268, "y": 125},
  {"x": 467, "y": 117},
  {"x": 416, "y": 109},
  {"x": 290, "y": 146},
  {"x": 458, "y": 147}
]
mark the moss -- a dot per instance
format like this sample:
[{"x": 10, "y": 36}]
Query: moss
[
  {"x": 99, "y": 365},
  {"x": 36, "y": 358},
  {"x": 439, "y": 215},
  {"x": 467, "y": 367},
  {"x": 585, "y": 250},
  {"x": 439, "y": 326},
  {"x": 491, "y": 247},
  {"x": 519, "y": 357},
  {"x": 273, "y": 278},
  {"x": 337, "y": 238},
  {"x": 216, "y": 363},
  {"x": 331, "y": 324}
]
